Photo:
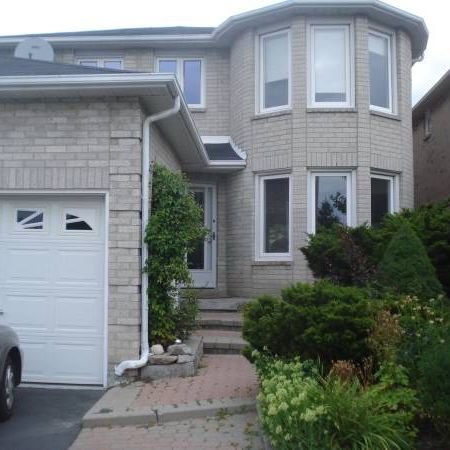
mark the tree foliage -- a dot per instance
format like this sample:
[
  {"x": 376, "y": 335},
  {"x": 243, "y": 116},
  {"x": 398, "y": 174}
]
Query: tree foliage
[{"x": 174, "y": 228}]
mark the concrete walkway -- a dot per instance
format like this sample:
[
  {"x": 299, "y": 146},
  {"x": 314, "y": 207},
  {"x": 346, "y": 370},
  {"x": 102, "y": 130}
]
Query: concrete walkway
[{"x": 234, "y": 432}]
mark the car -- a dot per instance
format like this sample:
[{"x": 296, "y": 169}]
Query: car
[{"x": 10, "y": 370}]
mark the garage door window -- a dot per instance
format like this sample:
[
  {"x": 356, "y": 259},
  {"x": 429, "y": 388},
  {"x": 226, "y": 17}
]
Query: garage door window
[
  {"x": 75, "y": 223},
  {"x": 30, "y": 219}
]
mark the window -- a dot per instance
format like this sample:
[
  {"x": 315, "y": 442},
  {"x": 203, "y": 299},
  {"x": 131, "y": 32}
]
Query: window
[
  {"x": 189, "y": 72},
  {"x": 383, "y": 197},
  {"x": 29, "y": 219},
  {"x": 331, "y": 195},
  {"x": 331, "y": 77},
  {"x": 427, "y": 125},
  {"x": 274, "y": 78},
  {"x": 381, "y": 72},
  {"x": 75, "y": 223},
  {"x": 273, "y": 227},
  {"x": 110, "y": 63}
]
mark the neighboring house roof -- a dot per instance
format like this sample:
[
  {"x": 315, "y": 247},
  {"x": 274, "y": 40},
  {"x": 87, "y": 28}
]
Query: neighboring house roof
[
  {"x": 224, "y": 34},
  {"x": 10, "y": 66},
  {"x": 439, "y": 91}
]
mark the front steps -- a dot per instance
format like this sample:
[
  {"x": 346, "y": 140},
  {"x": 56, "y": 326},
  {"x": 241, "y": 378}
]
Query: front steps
[{"x": 220, "y": 325}]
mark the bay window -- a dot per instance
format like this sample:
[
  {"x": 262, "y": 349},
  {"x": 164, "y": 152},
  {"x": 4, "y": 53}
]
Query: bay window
[
  {"x": 273, "y": 227},
  {"x": 330, "y": 78},
  {"x": 274, "y": 71},
  {"x": 383, "y": 196},
  {"x": 381, "y": 71}
]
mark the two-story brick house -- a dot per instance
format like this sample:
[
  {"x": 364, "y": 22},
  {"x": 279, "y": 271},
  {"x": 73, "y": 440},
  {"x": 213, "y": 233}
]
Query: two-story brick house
[{"x": 285, "y": 119}]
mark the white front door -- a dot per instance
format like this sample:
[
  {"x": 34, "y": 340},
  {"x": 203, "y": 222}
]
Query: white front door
[
  {"x": 52, "y": 259},
  {"x": 203, "y": 260}
]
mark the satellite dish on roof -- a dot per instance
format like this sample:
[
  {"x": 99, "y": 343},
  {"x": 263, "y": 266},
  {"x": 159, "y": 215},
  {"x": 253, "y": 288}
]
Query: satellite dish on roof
[{"x": 34, "y": 48}]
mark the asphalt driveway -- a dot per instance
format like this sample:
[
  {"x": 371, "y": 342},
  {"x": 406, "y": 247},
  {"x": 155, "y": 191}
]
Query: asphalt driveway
[{"x": 46, "y": 419}]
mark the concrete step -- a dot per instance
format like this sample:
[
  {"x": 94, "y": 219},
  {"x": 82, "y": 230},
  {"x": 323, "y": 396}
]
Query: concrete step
[
  {"x": 220, "y": 320},
  {"x": 221, "y": 342},
  {"x": 227, "y": 304}
]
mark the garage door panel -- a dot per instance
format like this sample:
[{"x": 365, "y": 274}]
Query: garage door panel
[
  {"x": 52, "y": 286},
  {"x": 27, "y": 265},
  {"x": 28, "y": 312},
  {"x": 77, "y": 360},
  {"x": 81, "y": 266},
  {"x": 79, "y": 315}
]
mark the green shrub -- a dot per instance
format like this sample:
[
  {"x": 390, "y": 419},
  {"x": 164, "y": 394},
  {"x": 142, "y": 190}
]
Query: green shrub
[
  {"x": 432, "y": 225},
  {"x": 349, "y": 256},
  {"x": 307, "y": 411},
  {"x": 174, "y": 228},
  {"x": 185, "y": 314},
  {"x": 406, "y": 268},
  {"x": 312, "y": 321},
  {"x": 434, "y": 384},
  {"x": 424, "y": 324},
  {"x": 342, "y": 254}
]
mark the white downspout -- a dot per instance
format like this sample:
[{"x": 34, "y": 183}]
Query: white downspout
[{"x": 148, "y": 157}]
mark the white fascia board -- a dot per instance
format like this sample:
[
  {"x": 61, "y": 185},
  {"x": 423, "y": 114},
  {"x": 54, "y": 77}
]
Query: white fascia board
[{"x": 225, "y": 140}]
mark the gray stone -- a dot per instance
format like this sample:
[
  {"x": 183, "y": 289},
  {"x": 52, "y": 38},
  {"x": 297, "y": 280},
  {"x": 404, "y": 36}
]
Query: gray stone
[
  {"x": 157, "y": 349},
  {"x": 183, "y": 359},
  {"x": 179, "y": 349},
  {"x": 162, "y": 359}
]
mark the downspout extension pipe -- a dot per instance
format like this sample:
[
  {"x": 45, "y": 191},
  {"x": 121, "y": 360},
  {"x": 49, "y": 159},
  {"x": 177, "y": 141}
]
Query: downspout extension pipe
[{"x": 148, "y": 157}]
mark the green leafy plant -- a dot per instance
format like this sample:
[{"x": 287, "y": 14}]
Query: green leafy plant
[
  {"x": 301, "y": 409},
  {"x": 342, "y": 254},
  {"x": 406, "y": 268},
  {"x": 312, "y": 321},
  {"x": 174, "y": 229},
  {"x": 434, "y": 384},
  {"x": 185, "y": 314}
]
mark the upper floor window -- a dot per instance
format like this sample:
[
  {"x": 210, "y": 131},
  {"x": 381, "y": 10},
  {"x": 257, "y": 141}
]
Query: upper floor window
[
  {"x": 427, "y": 125},
  {"x": 330, "y": 66},
  {"x": 274, "y": 92},
  {"x": 381, "y": 71},
  {"x": 190, "y": 74},
  {"x": 106, "y": 63}
]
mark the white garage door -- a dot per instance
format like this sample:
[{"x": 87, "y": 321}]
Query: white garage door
[{"x": 52, "y": 285}]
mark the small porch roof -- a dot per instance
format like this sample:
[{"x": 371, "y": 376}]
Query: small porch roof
[{"x": 31, "y": 79}]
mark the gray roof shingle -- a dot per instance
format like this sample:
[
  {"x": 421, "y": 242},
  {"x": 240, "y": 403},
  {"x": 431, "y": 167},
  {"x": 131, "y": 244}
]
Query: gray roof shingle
[
  {"x": 10, "y": 66},
  {"x": 163, "y": 31},
  {"x": 222, "y": 152}
]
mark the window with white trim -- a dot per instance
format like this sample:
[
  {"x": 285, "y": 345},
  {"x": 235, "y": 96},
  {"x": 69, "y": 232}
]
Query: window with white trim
[
  {"x": 382, "y": 196},
  {"x": 190, "y": 74},
  {"x": 274, "y": 71},
  {"x": 106, "y": 63},
  {"x": 29, "y": 219},
  {"x": 381, "y": 71},
  {"x": 330, "y": 56},
  {"x": 427, "y": 125},
  {"x": 331, "y": 199},
  {"x": 273, "y": 217}
]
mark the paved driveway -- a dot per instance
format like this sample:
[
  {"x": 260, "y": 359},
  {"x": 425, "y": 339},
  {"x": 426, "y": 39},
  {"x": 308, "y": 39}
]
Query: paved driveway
[{"x": 46, "y": 419}]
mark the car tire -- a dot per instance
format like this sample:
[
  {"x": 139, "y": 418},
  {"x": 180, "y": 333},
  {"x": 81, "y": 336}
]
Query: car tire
[{"x": 7, "y": 387}]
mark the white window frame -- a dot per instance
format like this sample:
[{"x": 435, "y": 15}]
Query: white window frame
[
  {"x": 180, "y": 76},
  {"x": 391, "y": 71},
  {"x": 260, "y": 254},
  {"x": 349, "y": 67},
  {"x": 101, "y": 61},
  {"x": 260, "y": 77},
  {"x": 351, "y": 195},
  {"x": 427, "y": 128},
  {"x": 394, "y": 192}
]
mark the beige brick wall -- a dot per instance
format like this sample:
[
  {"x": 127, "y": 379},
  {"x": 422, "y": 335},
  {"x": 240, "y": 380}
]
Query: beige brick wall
[{"x": 68, "y": 145}]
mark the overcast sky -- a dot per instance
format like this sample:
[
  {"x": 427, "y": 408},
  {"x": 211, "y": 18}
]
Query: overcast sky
[{"x": 45, "y": 16}]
